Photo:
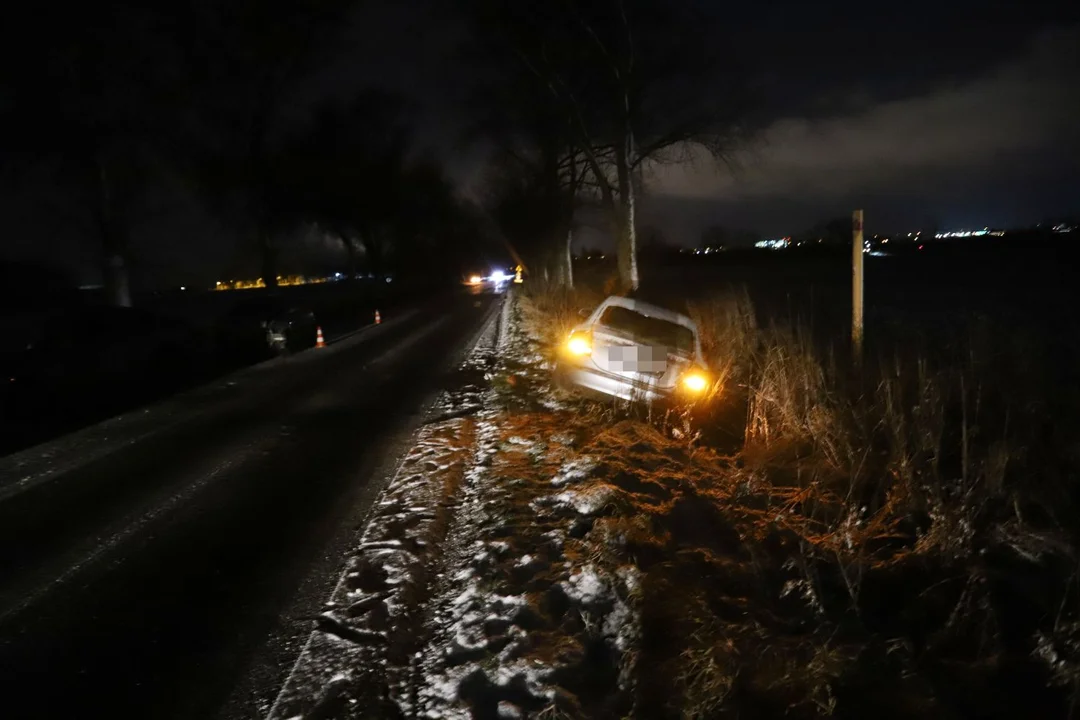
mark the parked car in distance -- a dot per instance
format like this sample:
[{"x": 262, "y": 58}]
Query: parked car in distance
[
  {"x": 635, "y": 351},
  {"x": 265, "y": 326}
]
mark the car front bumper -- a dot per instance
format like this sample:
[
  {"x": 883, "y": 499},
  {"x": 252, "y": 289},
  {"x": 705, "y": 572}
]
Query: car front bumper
[{"x": 617, "y": 386}]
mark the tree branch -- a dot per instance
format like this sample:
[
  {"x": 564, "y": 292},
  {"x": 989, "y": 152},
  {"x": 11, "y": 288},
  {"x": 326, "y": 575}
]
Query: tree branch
[
  {"x": 591, "y": 32},
  {"x": 629, "y": 39},
  {"x": 584, "y": 141}
]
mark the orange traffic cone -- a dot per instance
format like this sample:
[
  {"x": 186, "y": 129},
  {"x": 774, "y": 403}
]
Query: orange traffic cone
[
  {"x": 319, "y": 342},
  {"x": 378, "y": 318}
]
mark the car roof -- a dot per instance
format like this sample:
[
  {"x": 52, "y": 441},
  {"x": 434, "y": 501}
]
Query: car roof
[{"x": 647, "y": 309}]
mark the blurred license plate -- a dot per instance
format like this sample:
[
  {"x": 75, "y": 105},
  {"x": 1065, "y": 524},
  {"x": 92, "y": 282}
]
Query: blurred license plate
[{"x": 637, "y": 358}]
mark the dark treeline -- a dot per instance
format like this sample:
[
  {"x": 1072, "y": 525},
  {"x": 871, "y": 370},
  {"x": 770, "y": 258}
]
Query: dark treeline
[{"x": 106, "y": 106}]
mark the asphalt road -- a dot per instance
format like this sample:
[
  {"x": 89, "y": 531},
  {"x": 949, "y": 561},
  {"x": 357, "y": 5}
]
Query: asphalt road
[{"x": 147, "y": 564}]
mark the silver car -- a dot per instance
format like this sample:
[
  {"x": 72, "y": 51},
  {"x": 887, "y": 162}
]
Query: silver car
[{"x": 635, "y": 351}]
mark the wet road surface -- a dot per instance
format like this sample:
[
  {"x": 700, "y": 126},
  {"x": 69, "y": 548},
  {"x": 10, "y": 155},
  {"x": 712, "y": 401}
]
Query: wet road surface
[{"x": 146, "y": 562}]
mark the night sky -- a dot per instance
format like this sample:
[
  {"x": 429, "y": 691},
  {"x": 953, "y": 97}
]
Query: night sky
[
  {"x": 954, "y": 113},
  {"x": 962, "y": 117}
]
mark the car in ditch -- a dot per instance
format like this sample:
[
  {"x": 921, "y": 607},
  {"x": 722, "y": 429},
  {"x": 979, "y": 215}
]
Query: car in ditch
[{"x": 635, "y": 351}]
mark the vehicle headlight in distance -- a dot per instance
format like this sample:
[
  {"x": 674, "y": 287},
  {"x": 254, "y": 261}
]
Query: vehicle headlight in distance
[
  {"x": 695, "y": 381},
  {"x": 475, "y": 280},
  {"x": 579, "y": 343}
]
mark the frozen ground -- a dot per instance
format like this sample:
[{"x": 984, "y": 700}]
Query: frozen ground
[
  {"x": 585, "y": 564},
  {"x": 473, "y": 592},
  {"x": 169, "y": 564}
]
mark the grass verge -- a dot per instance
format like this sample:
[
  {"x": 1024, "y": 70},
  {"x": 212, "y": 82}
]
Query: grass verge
[{"x": 898, "y": 542}]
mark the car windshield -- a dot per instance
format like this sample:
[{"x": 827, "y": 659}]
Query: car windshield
[{"x": 648, "y": 330}]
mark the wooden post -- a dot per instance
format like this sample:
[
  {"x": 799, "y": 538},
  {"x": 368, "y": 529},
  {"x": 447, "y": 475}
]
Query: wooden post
[{"x": 857, "y": 286}]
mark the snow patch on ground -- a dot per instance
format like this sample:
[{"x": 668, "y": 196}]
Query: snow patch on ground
[
  {"x": 475, "y": 635},
  {"x": 575, "y": 470},
  {"x": 552, "y": 404},
  {"x": 373, "y": 609},
  {"x": 496, "y": 644},
  {"x": 586, "y": 586},
  {"x": 630, "y": 576},
  {"x": 494, "y": 585},
  {"x": 588, "y": 501},
  {"x": 508, "y": 710},
  {"x": 389, "y": 561}
]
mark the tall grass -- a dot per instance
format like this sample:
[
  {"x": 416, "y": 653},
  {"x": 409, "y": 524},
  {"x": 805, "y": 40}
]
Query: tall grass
[
  {"x": 551, "y": 311},
  {"x": 920, "y": 465},
  {"x": 926, "y": 504}
]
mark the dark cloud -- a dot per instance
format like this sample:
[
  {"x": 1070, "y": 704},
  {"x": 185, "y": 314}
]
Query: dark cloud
[
  {"x": 816, "y": 59},
  {"x": 962, "y": 111},
  {"x": 948, "y": 152}
]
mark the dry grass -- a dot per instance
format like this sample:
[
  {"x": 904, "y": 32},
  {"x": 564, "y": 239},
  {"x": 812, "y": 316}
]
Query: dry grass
[
  {"x": 551, "y": 311},
  {"x": 907, "y": 536},
  {"x": 914, "y": 472},
  {"x": 729, "y": 334}
]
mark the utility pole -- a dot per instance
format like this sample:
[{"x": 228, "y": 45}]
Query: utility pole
[{"x": 857, "y": 286}]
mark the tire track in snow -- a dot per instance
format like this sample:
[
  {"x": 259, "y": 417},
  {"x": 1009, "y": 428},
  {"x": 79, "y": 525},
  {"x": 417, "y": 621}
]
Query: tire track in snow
[{"x": 363, "y": 643}]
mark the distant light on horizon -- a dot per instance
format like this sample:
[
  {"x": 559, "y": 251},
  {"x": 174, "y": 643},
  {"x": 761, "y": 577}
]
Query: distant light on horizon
[
  {"x": 968, "y": 233},
  {"x": 282, "y": 281}
]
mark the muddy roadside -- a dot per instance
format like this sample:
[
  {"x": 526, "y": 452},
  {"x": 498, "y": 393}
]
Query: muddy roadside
[{"x": 538, "y": 555}]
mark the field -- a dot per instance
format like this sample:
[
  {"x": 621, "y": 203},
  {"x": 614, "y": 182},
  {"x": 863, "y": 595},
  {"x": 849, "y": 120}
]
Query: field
[{"x": 895, "y": 541}]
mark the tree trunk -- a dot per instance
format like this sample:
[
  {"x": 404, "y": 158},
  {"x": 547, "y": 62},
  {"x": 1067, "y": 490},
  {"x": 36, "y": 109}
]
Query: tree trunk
[
  {"x": 113, "y": 239},
  {"x": 350, "y": 250},
  {"x": 117, "y": 284},
  {"x": 566, "y": 255},
  {"x": 269, "y": 259},
  {"x": 374, "y": 252},
  {"x": 625, "y": 213},
  {"x": 566, "y": 259}
]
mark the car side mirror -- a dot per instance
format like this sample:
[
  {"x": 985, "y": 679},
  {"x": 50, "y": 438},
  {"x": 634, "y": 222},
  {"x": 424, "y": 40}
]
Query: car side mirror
[{"x": 584, "y": 312}]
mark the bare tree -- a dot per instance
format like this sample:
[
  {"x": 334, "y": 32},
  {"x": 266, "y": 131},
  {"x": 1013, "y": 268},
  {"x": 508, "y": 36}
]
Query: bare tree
[
  {"x": 358, "y": 176},
  {"x": 533, "y": 199},
  {"x": 537, "y": 170},
  {"x": 352, "y": 165},
  {"x": 248, "y": 62},
  {"x": 77, "y": 112},
  {"x": 635, "y": 83}
]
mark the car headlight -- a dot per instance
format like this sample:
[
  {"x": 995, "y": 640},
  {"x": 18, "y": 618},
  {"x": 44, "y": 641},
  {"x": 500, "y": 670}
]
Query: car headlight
[
  {"x": 695, "y": 381},
  {"x": 579, "y": 344}
]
